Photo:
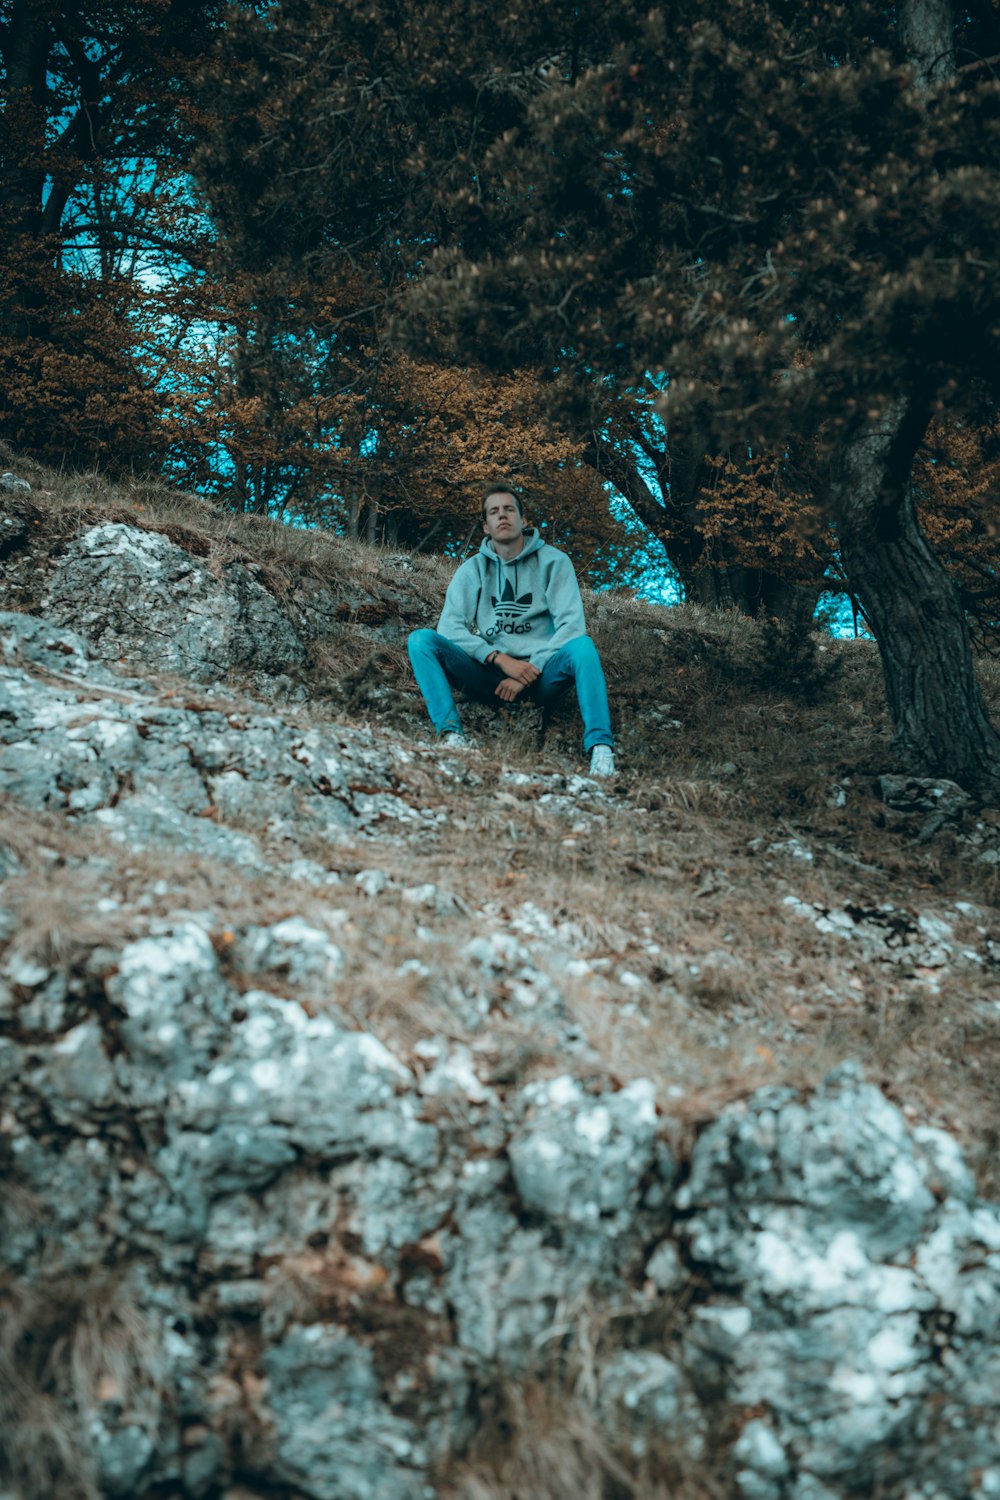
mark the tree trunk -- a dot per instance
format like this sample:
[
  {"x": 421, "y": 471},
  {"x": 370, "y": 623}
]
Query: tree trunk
[
  {"x": 926, "y": 32},
  {"x": 940, "y": 720}
]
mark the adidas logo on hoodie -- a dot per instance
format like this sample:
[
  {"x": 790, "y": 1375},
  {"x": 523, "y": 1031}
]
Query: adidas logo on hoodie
[{"x": 508, "y": 611}]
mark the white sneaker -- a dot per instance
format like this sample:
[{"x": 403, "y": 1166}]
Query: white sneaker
[
  {"x": 602, "y": 761},
  {"x": 454, "y": 739}
]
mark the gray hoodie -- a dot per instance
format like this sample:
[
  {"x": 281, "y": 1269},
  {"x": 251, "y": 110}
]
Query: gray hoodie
[{"x": 528, "y": 607}]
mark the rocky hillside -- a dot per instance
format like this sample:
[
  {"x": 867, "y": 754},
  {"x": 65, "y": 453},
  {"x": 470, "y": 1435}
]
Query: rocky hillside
[{"x": 383, "y": 1124}]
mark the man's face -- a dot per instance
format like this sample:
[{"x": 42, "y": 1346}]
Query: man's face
[{"x": 502, "y": 520}]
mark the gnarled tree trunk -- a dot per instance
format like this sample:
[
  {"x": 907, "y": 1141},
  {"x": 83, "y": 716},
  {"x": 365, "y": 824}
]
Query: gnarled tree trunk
[{"x": 940, "y": 720}]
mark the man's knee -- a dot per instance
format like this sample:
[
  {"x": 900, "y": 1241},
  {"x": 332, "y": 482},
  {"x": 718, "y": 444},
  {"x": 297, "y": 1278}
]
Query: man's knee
[
  {"x": 419, "y": 642},
  {"x": 581, "y": 649}
]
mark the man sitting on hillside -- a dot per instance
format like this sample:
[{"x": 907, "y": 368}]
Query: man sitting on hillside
[{"x": 512, "y": 626}]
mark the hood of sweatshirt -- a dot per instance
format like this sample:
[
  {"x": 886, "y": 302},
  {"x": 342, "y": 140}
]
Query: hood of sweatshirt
[{"x": 532, "y": 543}]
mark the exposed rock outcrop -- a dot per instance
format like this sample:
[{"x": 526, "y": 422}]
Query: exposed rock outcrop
[
  {"x": 246, "y": 1240},
  {"x": 153, "y": 771},
  {"x": 313, "y": 1270},
  {"x": 138, "y": 597}
]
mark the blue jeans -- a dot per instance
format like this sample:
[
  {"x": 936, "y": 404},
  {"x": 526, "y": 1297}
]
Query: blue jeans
[{"x": 439, "y": 665}]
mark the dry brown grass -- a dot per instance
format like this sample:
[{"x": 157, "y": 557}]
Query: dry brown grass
[
  {"x": 545, "y": 1437},
  {"x": 544, "y": 1446},
  {"x": 676, "y": 877},
  {"x": 285, "y": 555},
  {"x": 66, "y": 1351},
  {"x": 740, "y": 993}
]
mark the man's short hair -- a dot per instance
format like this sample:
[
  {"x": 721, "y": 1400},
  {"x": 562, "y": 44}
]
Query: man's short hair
[{"x": 501, "y": 488}]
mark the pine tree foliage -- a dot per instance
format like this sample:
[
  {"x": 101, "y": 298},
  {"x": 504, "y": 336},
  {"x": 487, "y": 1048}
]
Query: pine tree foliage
[
  {"x": 580, "y": 218},
  {"x": 90, "y": 137},
  {"x": 957, "y": 484},
  {"x": 366, "y": 138},
  {"x": 794, "y": 214},
  {"x": 342, "y": 146},
  {"x": 757, "y": 199}
]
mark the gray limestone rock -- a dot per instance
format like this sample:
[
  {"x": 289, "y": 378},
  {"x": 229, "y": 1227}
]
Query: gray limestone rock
[
  {"x": 863, "y": 1285},
  {"x": 335, "y": 1435},
  {"x": 77, "y": 1079},
  {"x": 649, "y": 1397},
  {"x": 942, "y": 801},
  {"x": 337, "y": 1253},
  {"x": 142, "y": 823},
  {"x": 192, "y": 620},
  {"x": 580, "y": 1160},
  {"x": 848, "y": 1280},
  {"x": 175, "y": 1006},
  {"x": 58, "y": 651},
  {"x": 292, "y": 947},
  {"x": 77, "y": 738}
]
